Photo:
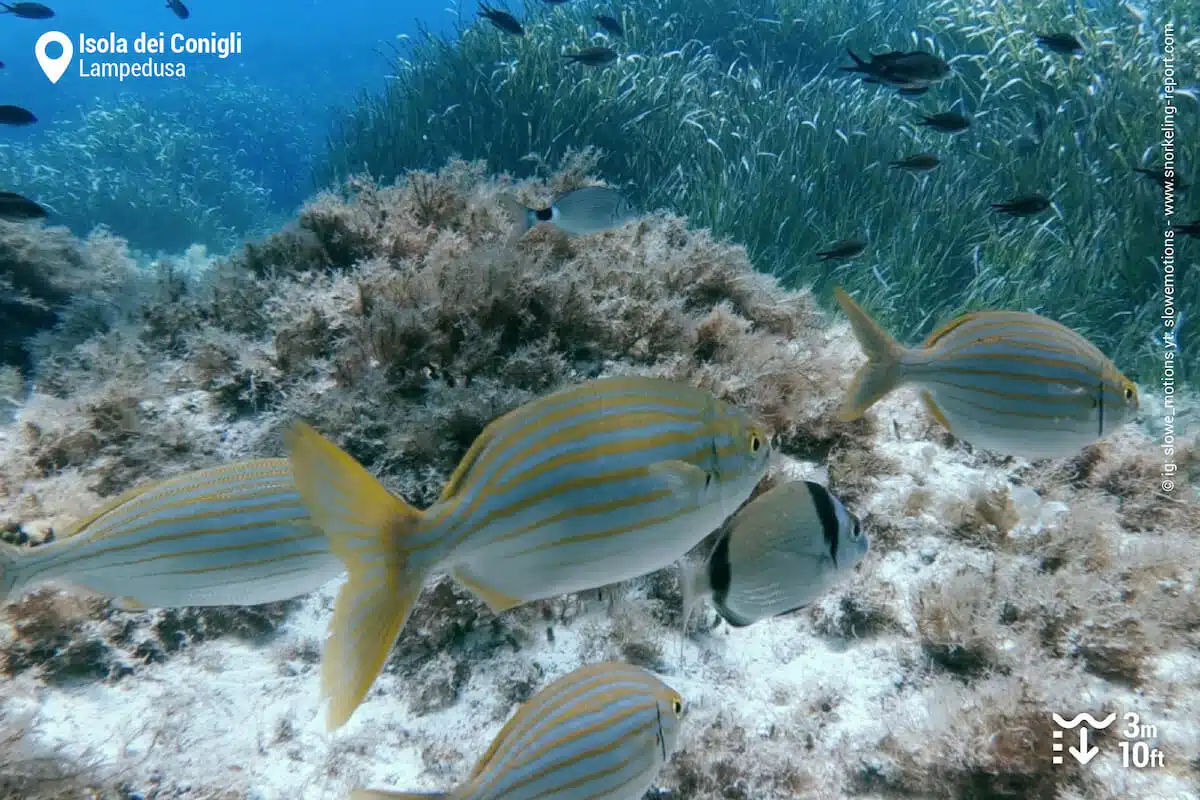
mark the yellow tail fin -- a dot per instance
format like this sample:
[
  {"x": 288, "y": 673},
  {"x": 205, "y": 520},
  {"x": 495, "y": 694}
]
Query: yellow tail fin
[
  {"x": 882, "y": 373},
  {"x": 371, "y": 531}
]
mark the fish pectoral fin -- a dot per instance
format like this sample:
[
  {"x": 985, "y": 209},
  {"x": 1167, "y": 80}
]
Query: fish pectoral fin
[
  {"x": 496, "y": 600},
  {"x": 691, "y": 587},
  {"x": 1062, "y": 389},
  {"x": 683, "y": 479},
  {"x": 1089, "y": 401},
  {"x": 932, "y": 407}
]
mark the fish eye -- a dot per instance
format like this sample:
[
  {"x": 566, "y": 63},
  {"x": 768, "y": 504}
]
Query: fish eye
[
  {"x": 677, "y": 706},
  {"x": 755, "y": 443},
  {"x": 1129, "y": 392},
  {"x": 855, "y": 528}
]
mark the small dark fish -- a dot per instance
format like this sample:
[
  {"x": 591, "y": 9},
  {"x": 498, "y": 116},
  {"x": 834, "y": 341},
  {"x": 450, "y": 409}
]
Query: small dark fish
[
  {"x": 15, "y": 115},
  {"x": 1062, "y": 43},
  {"x": 1190, "y": 228},
  {"x": 179, "y": 8},
  {"x": 502, "y": 20},
  {"x": 1159, "y": 176},
  {"x": 15, "y": 207},
  {"x": 1025, "y": 205},
  {"x": 846, "y": 248},
  {"x": 27, "y": 10},
  {"x": 917, "y": 163},
  {"x": 946, "y": 122},
  {"x": 610, "y": 24},
  {"x": 912, "y": 73},
  {"x": 1, "y": 65},
  {"x": 592, "y": 56}
]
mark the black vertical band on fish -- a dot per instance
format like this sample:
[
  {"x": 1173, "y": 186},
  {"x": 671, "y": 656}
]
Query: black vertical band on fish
[
  {"x": 828, "y": 516},
  {"x": 720, "y": 577},
  {"x": 662, "y": 739}
]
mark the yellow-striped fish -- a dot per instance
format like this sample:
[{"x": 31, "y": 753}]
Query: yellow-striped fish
[
  {"x": 587, "y": 486},
  {"x": 237, "y": 534},
  {"x": 601, "y": 732},
  {"x": 1013, "y": 382}
]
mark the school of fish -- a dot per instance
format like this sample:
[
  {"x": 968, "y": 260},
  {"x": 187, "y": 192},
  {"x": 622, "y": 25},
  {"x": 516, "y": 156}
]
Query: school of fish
[{"x": 588, "y": 485}]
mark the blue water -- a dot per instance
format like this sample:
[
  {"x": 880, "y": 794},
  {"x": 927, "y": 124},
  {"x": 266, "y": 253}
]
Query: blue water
[{"x": 309, "y": 56}]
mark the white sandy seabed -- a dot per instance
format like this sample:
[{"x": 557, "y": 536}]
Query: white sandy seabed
[{"x": 226, "y": 719}]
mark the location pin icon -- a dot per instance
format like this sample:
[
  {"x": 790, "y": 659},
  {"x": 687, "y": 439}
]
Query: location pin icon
[{"x": 54, "y": 67}]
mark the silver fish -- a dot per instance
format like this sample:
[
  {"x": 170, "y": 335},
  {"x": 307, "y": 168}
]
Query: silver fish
[
  {"x": 237, "y": 534},
  {"x": 601, "y": 732},
  {"x": 778, "y": 554},
  {"x": 589, "y": 210},
  {"x": 589, "y": 485},
  {"x": 1008, "y": 381}
]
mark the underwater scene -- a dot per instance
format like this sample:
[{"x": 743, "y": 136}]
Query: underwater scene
[{"x": 599, "y": 400}]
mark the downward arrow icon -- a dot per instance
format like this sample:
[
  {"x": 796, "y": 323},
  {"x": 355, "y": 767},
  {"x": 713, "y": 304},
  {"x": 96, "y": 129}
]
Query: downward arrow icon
[{"x": 1084, "y": 753}]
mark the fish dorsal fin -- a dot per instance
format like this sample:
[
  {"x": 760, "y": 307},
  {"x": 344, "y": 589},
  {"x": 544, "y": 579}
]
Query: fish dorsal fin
[
  {"x": 505, "y": 732},
  {"x": 118, "y": 501},
  {"x": 950, "y": 327},
  {"x": 1019, "y": 319},
  {"x": 129, "y": 495},
  {"x": 458, "y": 477}
]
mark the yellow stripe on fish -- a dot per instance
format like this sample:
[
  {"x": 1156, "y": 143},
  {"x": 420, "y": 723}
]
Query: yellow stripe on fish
[
  {"x": 601, "y": 732},
  {"x": 587, "y": 486},
  {"x": 237, "y": 534},
  {"x": 1008, "y": 381}
]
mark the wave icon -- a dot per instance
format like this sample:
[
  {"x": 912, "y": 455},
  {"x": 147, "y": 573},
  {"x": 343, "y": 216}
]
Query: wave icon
[{"x": 1088, "y": 718}]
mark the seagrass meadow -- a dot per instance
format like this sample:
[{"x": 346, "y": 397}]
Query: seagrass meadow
[
  {"x": 734, "y": 115},
  {"x": 398, "y": 319}
]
